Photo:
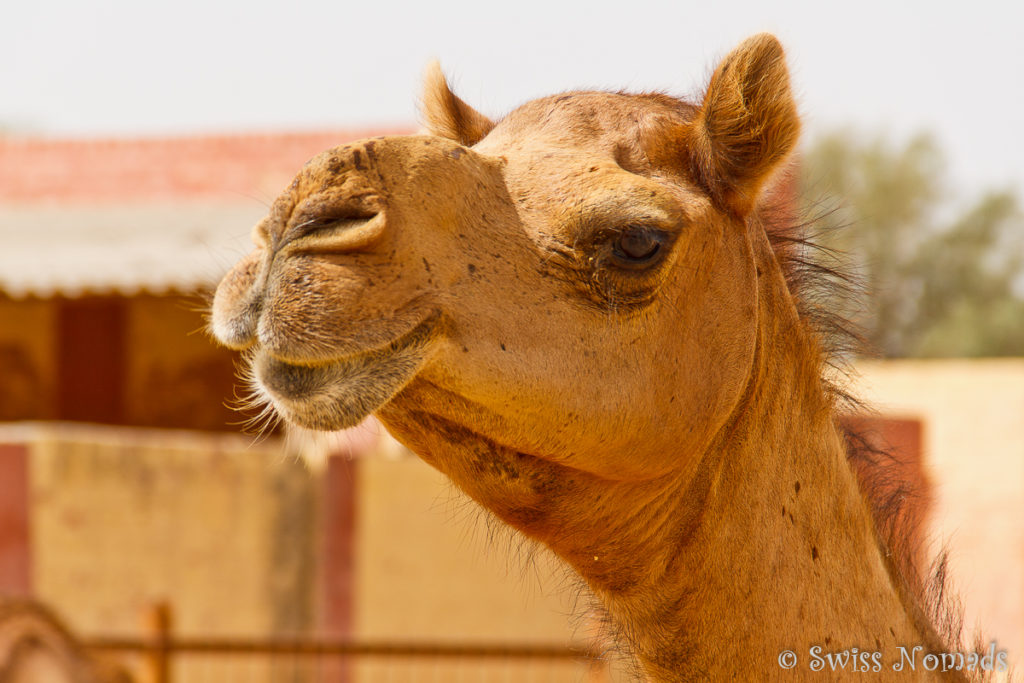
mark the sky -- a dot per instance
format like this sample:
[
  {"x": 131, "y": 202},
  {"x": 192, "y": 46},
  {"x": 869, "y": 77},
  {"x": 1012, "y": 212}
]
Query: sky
[{"x": 136, "y": 68}]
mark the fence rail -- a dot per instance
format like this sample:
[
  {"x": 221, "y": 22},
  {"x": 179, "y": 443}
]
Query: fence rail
[
  {"x": 299, "y": 647},
  {"x": 159, "y": 655},
  {"x": 36, "y": 646}
]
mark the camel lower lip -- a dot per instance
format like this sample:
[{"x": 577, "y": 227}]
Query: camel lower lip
[{"x": 341, "y": 393}]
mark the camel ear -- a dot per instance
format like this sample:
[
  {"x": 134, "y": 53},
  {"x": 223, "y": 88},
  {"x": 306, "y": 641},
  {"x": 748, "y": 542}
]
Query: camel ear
[
  {"x": 746, "y": 126},
  {"x": 446, "y": 115}
]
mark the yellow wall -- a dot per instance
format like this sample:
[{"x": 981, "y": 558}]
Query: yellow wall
[
  {"x": 122, "y": 518},
  {"x": 426, "y": 568}
]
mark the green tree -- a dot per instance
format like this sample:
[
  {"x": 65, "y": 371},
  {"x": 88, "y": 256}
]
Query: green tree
[{"x": 938, "y": 283}]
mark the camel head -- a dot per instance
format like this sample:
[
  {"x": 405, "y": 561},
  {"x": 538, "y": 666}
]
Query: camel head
[
  {"x": 574, "y": 285},
  {"x": 581, "y": 314}
]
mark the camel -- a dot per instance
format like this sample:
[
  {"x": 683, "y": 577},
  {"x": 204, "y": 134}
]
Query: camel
[
  {"x": 588, "y": 315},
  {"x": 35, "y": 647}
]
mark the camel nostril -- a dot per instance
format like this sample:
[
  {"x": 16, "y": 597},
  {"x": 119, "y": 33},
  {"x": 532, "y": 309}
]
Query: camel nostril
[
  {"x": 340, "y": 232},
  {"x": 332, "y": 222}
]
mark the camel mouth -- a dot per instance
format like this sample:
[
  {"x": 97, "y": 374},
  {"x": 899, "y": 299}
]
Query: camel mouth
[{"x": 342, "y": 392}]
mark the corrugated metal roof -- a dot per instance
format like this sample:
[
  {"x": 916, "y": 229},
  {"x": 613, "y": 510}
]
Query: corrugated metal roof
[
  {"x": 155, "y": 215},
  {"x": 71, "y": 250}
]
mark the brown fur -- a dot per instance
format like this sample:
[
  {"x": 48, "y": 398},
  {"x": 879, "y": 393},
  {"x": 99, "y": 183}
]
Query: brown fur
[{"x": 659, "y": 422}]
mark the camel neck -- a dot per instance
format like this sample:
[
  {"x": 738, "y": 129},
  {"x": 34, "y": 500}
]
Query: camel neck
[
  {"x": 774, "y": 548},
  {"x": 763, "y": 545}
]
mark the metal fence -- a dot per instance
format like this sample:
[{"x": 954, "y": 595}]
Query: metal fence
[
  {"x": 164, "y": 658},
  {"x": 308, "y": 661}
]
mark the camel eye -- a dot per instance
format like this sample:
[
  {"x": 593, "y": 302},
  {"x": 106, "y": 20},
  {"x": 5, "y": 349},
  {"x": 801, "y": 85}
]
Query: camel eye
[{"x": 636, "y": 248}]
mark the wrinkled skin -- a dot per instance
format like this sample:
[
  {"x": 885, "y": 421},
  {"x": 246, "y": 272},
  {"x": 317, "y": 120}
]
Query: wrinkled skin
[{"x": 575, "y": 314}]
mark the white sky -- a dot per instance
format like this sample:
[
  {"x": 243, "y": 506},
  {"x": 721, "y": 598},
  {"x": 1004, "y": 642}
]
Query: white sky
[{"x": 131, "y": 67}]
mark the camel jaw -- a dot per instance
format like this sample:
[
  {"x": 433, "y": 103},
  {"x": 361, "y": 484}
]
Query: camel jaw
[{"x": 341, "y": 393}]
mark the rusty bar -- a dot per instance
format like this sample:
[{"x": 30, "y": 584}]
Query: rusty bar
[
  {"x": 304, "y": 647},
  {"x": 158, "y": 647}
]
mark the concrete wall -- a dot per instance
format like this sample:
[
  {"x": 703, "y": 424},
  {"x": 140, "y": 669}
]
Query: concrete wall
[
  {"x": 429, "y": 569},
  {"x": 230, "y": 533},
  {"x": 426, "y": 567},
  {"x": 123, "y": 518},
  {"x": 221, "y": 528}
]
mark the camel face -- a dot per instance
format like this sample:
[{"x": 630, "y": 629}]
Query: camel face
[{"x": 558, "y": 288}]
